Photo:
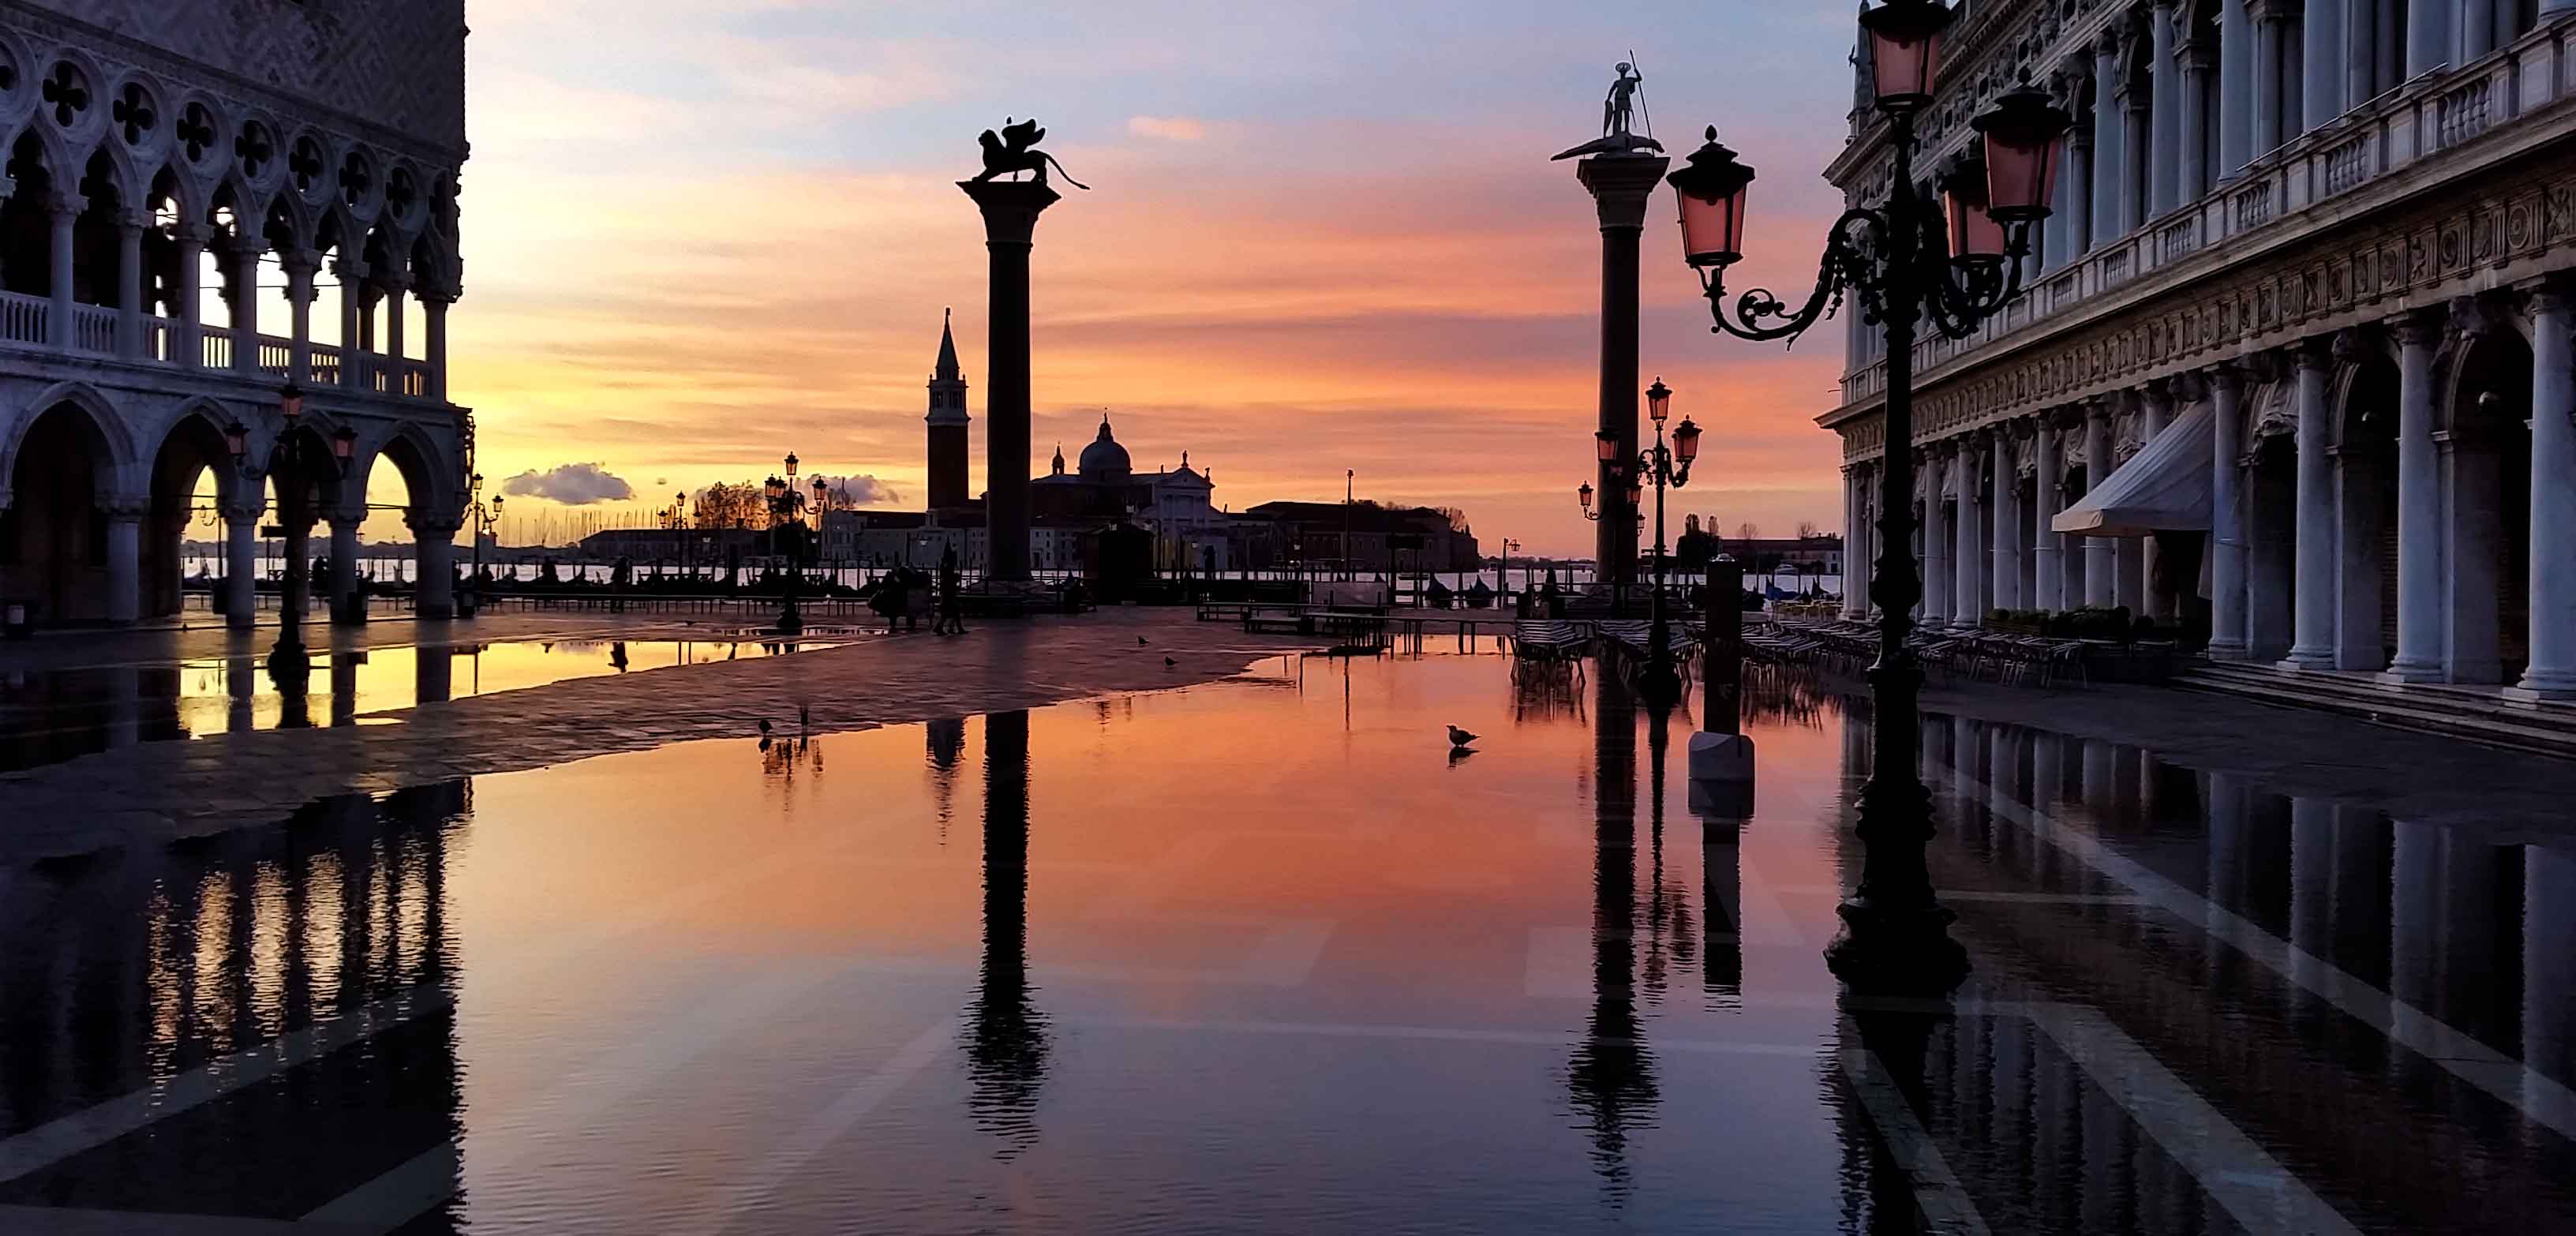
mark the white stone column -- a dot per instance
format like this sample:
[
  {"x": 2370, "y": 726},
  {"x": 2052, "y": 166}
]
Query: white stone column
[
  {"x": 241, "y": 557},
  {"x": 1860, "y": 567},
  {"x": 2006, "y": 514},
  {"x": 1851, "y": 534},
  {"x": 188, "y": 348},
  {"x": 299, "y": 265},
  {"x": 2359, "y": 641},
  {"x": 2271, "y": 20},
  {"x": 124, "y": 557},
  {"x": 2078, "y": 191},
  {"x": 2164, "y": 129},
  {"x": 245, "y": 255},
  {"x": 2108, "y": 127},
  {"x": 2430, "y": 28},
  {"x": 397, "y": 292},
  {"x": 2271, "y": 563},
  {"x": 2101, "y": 556},
  {"x": 129, "y": 282},
  {"x": 2236, "y": 89},
  {"x": 353, "y": 354},
  {"x": 2321, "y": 96},
  {"x": 2419, "y": 504},
  {"x": 2199, "y": 64},
  {"x": 2048, "y": 580},
  {"x": 2155, "y": 413},
  {"x": 64, "y": 209},
  {"x": 2227, "y": 513},
  {"x": 2473, "y": 526},
  {"x": 434, "y": 546},
  {"x": 433, "y": 311},
  {"x": 2137, "y": 153},
  {"x": 2552, "y": 672},
  {"x": 2361, "y": 52},
  {"x": 2477, "y": 29},
  {"x": 1968, "y": 608},
  {"x": 2314, "y": 603},
  {"x": 344, "y": 605},
  {"x": 1936, "y": 536}
]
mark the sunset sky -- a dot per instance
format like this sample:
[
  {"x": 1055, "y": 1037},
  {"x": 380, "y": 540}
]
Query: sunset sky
[{"x": 1326, "y": 235}]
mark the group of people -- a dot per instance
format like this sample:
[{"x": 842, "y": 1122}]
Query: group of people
[{"x": 904, "y": 592}]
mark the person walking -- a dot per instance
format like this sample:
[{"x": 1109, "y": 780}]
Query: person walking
[{"x": 952, "y": 612}]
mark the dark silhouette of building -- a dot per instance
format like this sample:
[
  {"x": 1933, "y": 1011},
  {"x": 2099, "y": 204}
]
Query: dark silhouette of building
[{"x": 947, "y": 426}]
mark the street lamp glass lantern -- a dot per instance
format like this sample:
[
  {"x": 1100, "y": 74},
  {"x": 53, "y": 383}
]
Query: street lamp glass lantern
[
  {"x": 2025, "y": 134},
  {"x": 791, "y": 465},
  {"x": 1686, "y": 441},
  {"x": 1976, "y": 236},
  {"x": 1584, "y": 495},
  {"x": 237, "y": 439},
  {"x": 1606, "y": 446},
  {"x": 1637, "y": 497},
  {"x": 1711, "y": 189},
  {"x": 344, "y": 444},
  {"x": 290, "y": 402},
  {"x": 1659, "y": 401},
  {"x": 1905, "y": 51}
]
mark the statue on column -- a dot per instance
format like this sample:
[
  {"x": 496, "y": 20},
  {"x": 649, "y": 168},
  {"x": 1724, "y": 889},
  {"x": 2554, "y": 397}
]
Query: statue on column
[
  {"x": 1619, "y": 110},
  {"x": 1015, "y": 151}
]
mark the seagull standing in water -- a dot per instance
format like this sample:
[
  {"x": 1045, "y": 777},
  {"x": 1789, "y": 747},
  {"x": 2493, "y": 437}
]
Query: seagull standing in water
[{"x": 1459, "y": 738}]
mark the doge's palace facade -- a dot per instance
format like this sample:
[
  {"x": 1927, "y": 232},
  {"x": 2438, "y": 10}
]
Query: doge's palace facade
[
  {"x": 2298, "y": 336},
  {"x": 171, "y": 165}
]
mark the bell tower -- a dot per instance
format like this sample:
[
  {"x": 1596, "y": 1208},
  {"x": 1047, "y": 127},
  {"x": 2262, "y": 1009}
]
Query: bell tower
[{"x": 947, "y": 425}]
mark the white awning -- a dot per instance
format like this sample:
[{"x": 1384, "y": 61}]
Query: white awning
[{"x": 2163, "y": 488}]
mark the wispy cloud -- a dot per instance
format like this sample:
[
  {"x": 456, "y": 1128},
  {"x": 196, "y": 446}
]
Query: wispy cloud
[{"x": 1169, "y": 128}]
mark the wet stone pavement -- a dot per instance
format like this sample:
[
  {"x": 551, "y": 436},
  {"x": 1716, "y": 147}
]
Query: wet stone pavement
[{"x": 1260, "y": 953}]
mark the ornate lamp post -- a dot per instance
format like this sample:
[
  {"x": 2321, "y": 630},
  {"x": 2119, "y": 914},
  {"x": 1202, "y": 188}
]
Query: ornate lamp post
[
  {"x": 1902, "y": 265},
  {"x": 288, "y": 659},
  {"x": 483, "y": 517},
  {"x": 784, "y": 502},
  {"x": 1665, "y": 466}
]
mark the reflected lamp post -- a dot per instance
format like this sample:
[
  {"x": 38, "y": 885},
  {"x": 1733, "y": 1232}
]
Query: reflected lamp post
[{"x": 1905, "y": 267}]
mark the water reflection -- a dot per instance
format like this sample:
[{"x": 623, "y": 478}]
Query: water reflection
[
  {"x": 1612, "y": 1074},
  {"x": 1006, "y": 1035}
]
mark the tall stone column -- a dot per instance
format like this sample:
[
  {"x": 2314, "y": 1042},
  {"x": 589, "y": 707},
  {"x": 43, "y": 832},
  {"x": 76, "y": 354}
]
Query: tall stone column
[
  {"x": 2552, "y": 672},
  {"x": 1010, "y": 210},
  {"x": 2236, "y": 89},
  {"x": 433, "y": 315},
  {"x": 2109, "y": 164},
  {"x": 345, "y": 606},
  {"x": 1937, "y": 579},
  {"x": 63, "y": 208},
  {"x": 2361, "y": 52},
  {"x": 2155, "y": 413},
  {"x": 1620, "y": 185},
  {"x": 2077, "y": 189},
  {"x": 2314, "y": 603},
  {"x": 188, "y": 347},
  {"x": 2137, "y": 151},
  {"x": 300, "y": 266},
  {"x": 2007, "y": 520},
  {"x": 1854, "y": 603},
  {"x": 2227, "y": 513},
  {"x": 2164, "y": 129},
  {"x": 125, "y": 557},
  {"x": 397, "y": 285},
  {"x": 2199, "y": 62},
  {"x": 2419, "y": 504},
  {"x": 2101, "y": 554},
  {"x": 1968, "y": 599},
  {"x": 353, "y": 351},
  {"x": 245, "y": 254},
  {"x": 2048, "y": 579},
  {"x": 241, "y": 557},
  {"x": 2477, "y": 29},
  {"x": 2430, "y": 28},
  {"x": 129, "y": 282},
  {"x": 2273, "y": 92},
  {"x": 2322, "y": 93},
  {"x": 434, "y": 550},
  {"x": 2359, "y": 644}
]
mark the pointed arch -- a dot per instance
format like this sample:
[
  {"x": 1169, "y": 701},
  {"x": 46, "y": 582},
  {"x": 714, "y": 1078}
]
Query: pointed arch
[{"x": 107, "y": 429}]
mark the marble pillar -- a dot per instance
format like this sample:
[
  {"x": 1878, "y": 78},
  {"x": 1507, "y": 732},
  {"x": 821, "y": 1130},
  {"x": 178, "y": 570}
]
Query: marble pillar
[
  {"x": 2473, "y": 526},
  {"x": 1620, "y": 185},
  {"x": 2048, "y": 492},
  {"x": 2109, "y": 163},
  {"x": 345, "y": 605},
  {"x": 1970, "y": 598},
  {"x": 2431, "y": 26},
  {"x": 2008, "y": 534},
  {"x": 2155, "y": 412},
  {"x": 2101, "y": 555},
  {"x": 130, "y": 225},
  {"x": 245, "y": 320},
  {"x": 1853, "y": 604},
  {"x": 63, "y": 210},
  {"x": 2477, "y": 29},
  {"x": 241, "y": 558},
  {"x": 2359, "y": 641},
  {"x": 2271, "y": 566},
  {"x": 2361, "y": 52},
  {"x": 353, "y": 356},
  {"x": 2419, "y": 505},
  {"x": 2236, "y": 89},
  {"x": 125, "y": 557},
  {"x": 2078, "y": 191},
  {"x": 2552, "y": 671},
  {"x": 2199, "y": 64},
  {"x": 2314, "y": 602},
  {"x": 1936, "y": 537},
  {"x": 434, "y": 547},
  {"x": 2227, "y": 514},
  {"x": 2321, "y": 92},
  {"x": 187, "y": 342},
  {"x": 2164, "y": 129}
]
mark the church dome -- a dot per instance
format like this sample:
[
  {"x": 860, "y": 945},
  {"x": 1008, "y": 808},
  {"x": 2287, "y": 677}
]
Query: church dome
[{"x": 1104, "y": 459}]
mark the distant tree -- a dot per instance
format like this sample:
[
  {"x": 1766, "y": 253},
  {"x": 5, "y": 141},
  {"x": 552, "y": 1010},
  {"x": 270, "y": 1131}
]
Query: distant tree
[
  {"x": 1806, "y": 529},
  {"x": 1748, "y": 532}
]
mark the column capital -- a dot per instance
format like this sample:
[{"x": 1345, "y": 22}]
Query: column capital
[
  {"x": 2419, "y": 328},
  {"x": 1621, "y": 185},
  {"x": 340, "y": 517},
  {"x": 2313, "y": 353},
  {"x": 63, "y": 203},
  {"x": 241, "y": 512},
  {"x": 192, "y": 235},
  {"x": 2189, "y": 387},
  {"x": 2226, "y": 375},
  {"x": 2355, "y": 345},
  {"x": 2474, "y": 317},
  {"x": 349, "y": 270},
  {"x": 300, "y": 261},
  {"x": 2274, "y": 12},
  {"x": 133, "y": 221},
  {"x": 2550, "y": 296},
  {"x": 1010, "y": 208},
  {"x": 124, "y": 508},
  {"x": 432, "y": 525}
]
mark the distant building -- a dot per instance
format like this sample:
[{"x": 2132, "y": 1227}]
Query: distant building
[{"x": 1362, "y": 536}]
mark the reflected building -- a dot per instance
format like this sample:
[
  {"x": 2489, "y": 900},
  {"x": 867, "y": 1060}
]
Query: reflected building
[
  {"x": 1006, "y": 1035},
  {"x": 944, "y": 742},
  {"x": 1611, "y": 1078}
]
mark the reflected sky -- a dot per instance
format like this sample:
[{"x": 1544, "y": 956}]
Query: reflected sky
[{"x": 1259, "y": 956}]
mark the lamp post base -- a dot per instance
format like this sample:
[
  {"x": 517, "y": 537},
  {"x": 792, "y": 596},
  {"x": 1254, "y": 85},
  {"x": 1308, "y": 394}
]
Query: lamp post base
[
  {"x": 1895, "y": 938},
  {"x": 289, "y": 661}
]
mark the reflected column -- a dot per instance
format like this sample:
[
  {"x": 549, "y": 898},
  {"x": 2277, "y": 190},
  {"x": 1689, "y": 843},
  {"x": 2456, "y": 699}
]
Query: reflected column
[
  {"x": 1611, "y": 1076},
  {"x": 2548, "y": 969},
  {"x": 1006, "y": 1035},
  {"x": 433, "y": 673}
]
